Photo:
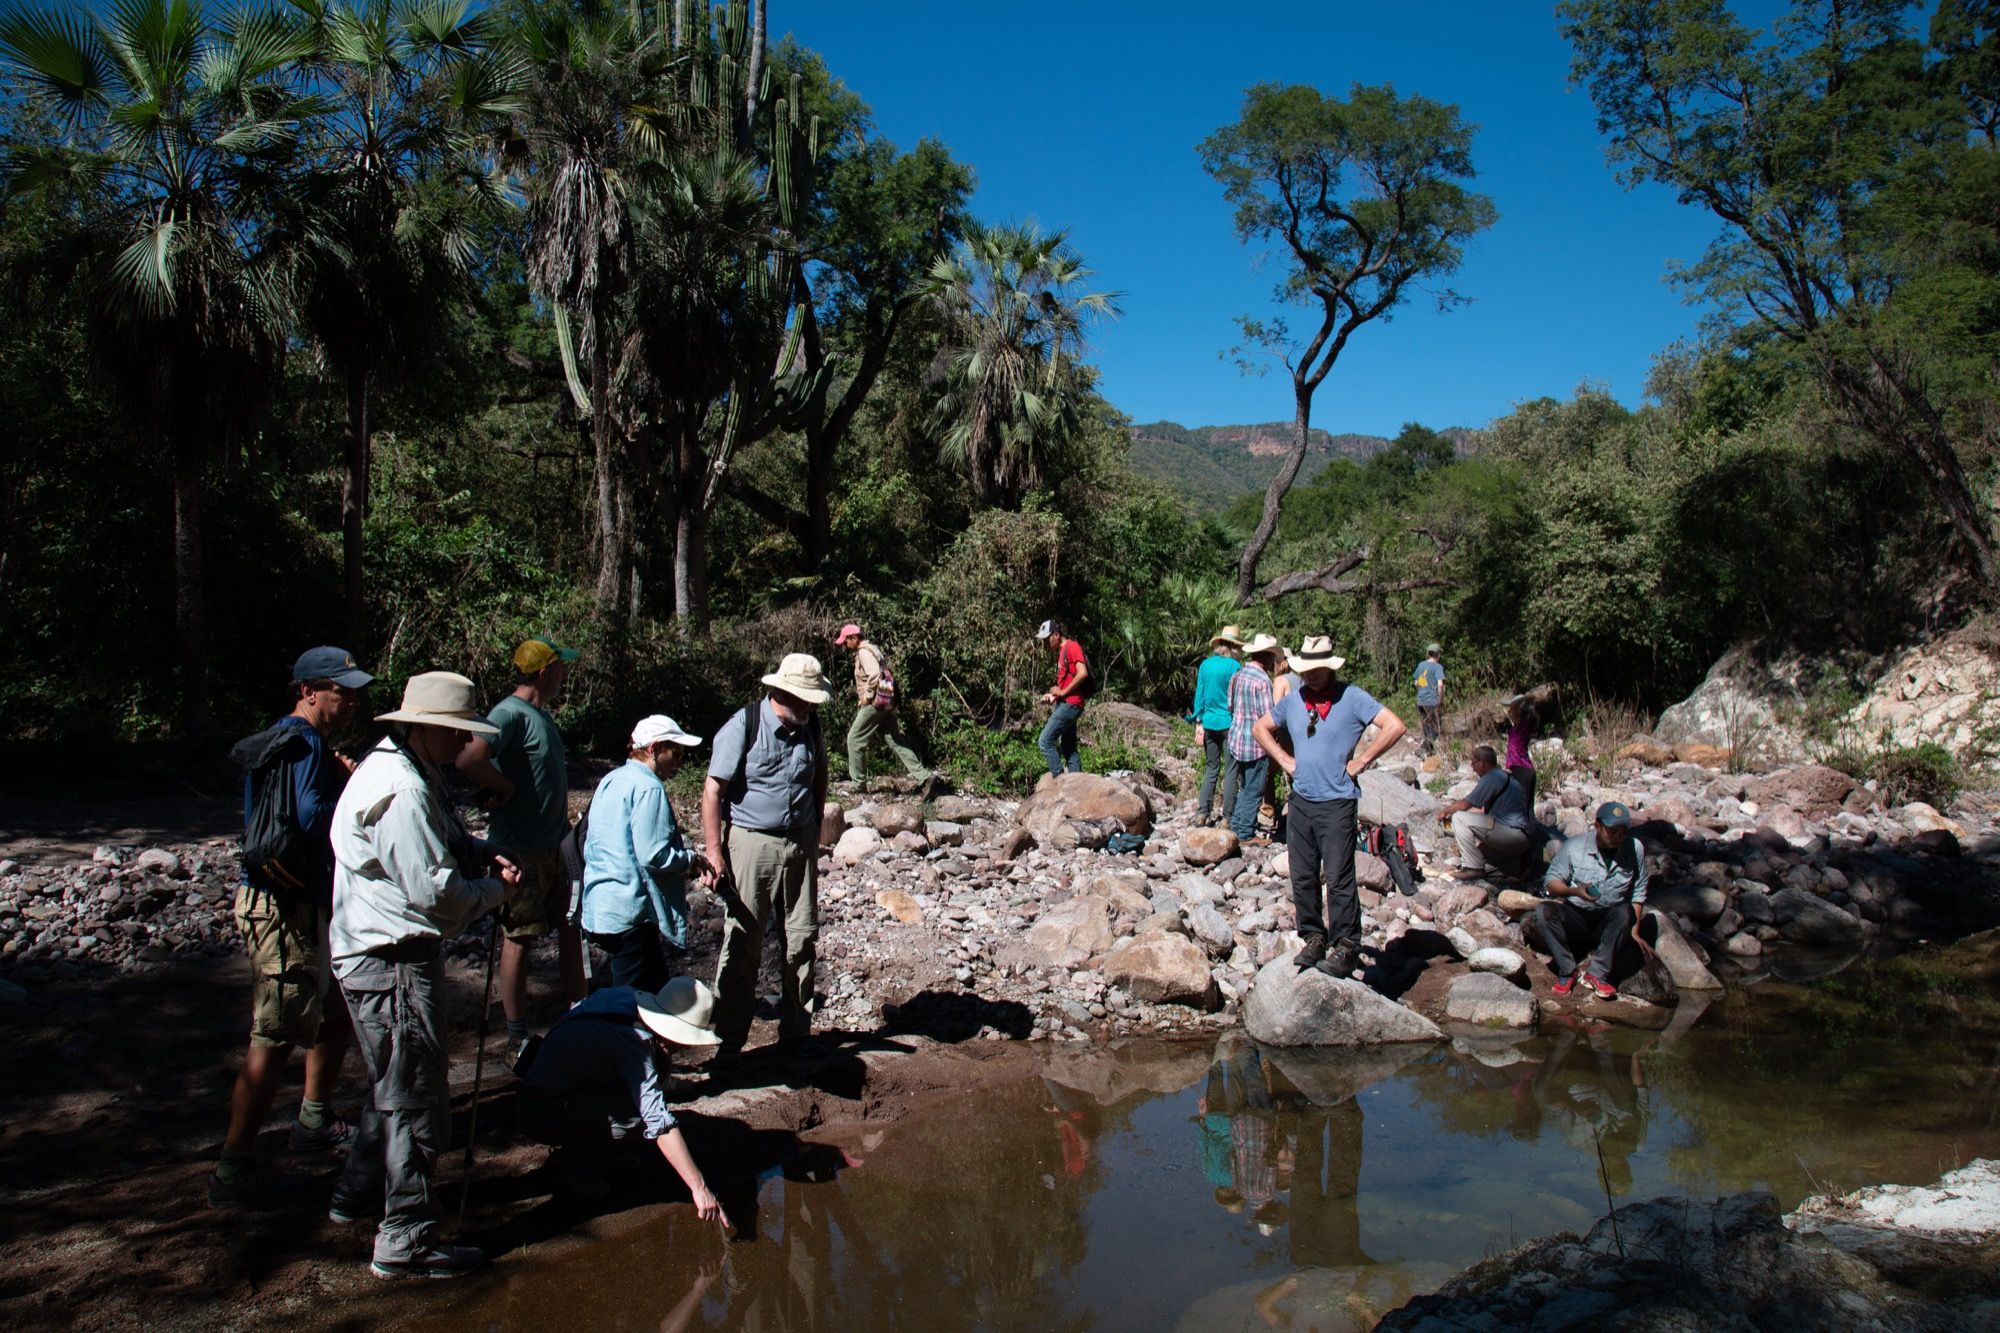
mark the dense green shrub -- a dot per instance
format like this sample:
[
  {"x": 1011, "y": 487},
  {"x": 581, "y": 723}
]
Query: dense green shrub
[{"x": 1926, "y": 773}]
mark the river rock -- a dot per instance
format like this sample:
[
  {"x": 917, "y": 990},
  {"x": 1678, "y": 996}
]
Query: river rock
[
  {"x": 1489, "y": 1000},
  {"x": 1084, "y": 796},
  {"x": 1697, "y": 901},
  {"x": 832, "y": 823},
  {"x": 1803, "y": 919},
  {"x": 1211, "y": 929},
  {"x": 855, "y": 845},
  {"x": 1158, "y": 968},
  {"x": 1702, "y": 756},
  {"x": 1279, "y": 866},
  {"x": 890, "y": 820},
  {"x": 1016, "y": 842},
  {"x": 1387, "y": 800},
  {"x": 1457, "y": 901},
  {"x": 1500, "y": 962},
  {"x": 1124, "y": 890},
  {"x": 1645, "y": 752},
  {"x": 1371, "y": 872},
  {"x": 1743, "y": 945},
  {"x": 1287, "y": 1007},
  {"x": 1072, "y": 933},
  {"x": 1207, "y": 846},
  {"x": 910, "y": 843},
  {"x": 1683, "y": 964},
  {"x": 1514, "y": 902},
  {"x": 1813, "y": 790},
  {"x": 900, "y": 905},
  {"x": 959, "y": 809},
  {"x": 1195, "y": 889},
  {"x": 944, "y": 833},
  {"x": 160, "y": 861}
]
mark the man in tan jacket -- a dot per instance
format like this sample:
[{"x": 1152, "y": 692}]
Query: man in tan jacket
[{"x": 875, "y": 715}]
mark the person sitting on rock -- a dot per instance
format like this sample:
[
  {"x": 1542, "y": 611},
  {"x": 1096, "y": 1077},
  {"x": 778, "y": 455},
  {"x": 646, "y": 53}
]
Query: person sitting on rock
[
  {"x": 1491, "y": 822},
  {"x": 601, "y": 1074},
  {"x": 1599, "y": 881}
]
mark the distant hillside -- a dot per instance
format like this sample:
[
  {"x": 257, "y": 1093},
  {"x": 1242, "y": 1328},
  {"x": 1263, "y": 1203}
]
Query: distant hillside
[{"x": 1211, "y": 465}]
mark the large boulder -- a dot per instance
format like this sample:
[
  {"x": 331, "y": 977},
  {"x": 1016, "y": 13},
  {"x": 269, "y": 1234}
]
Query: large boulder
[
  {"x": 1803, "y": 919},
  {"x": 1490, "y": 1001},
  {"x": 1944, "y": 693},
  {"x": 1073, "y": 932},
  {"x": 1699, "y": 901},
  {"x": 1107, "y": 722},
  {"x": 1813, "y": 790},
  {"x": 893, "y": 819},
  {"x": 1124, "y": 890},
  {"x": 1287, "y": 1007},
  {"x": 856, "y": 845},
  {"x": 1687, "y": 967},
  {"x": 1085, "y": 797},
  {"x": 1207, "y": 846},
  {"x": 1159, "y": 968},
  {"x": 1209, "y": 926},
  {"x": 1386, "y": 799},
  {"x": 1744, "y": 698},
  {"x": 1500, "y": 962}
]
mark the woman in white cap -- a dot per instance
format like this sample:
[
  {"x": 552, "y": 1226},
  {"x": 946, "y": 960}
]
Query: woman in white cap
[
  {"x": 603, "y": 1070},
  {"x": 635, "y": 865},
  {"x": 407, "y": 878}
]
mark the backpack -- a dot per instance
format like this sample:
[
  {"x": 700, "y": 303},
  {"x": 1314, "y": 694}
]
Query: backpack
[
  {"x": 571, "y": 850},
  {"x": 1090, "y": 682},
  {"x": 1125, "y": 844},
  {"x": 885, "y": 692},
  {"x": 275, "y": 853},
  {"x": 1392, "y": 844},
  {"x": 753, "y": 720}
]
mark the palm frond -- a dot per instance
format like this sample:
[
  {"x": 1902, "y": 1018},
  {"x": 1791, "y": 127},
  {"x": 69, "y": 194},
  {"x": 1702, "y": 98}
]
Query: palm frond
[{"x": 61, "y": 57}]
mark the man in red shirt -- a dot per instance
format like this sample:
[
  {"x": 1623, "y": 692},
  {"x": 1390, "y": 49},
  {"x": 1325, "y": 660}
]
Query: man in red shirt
[{"x": 1058, "y": 740}]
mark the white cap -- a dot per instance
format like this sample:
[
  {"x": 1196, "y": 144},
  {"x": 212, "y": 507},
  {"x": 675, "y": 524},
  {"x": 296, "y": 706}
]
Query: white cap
[{"x": 659, "y": 727}]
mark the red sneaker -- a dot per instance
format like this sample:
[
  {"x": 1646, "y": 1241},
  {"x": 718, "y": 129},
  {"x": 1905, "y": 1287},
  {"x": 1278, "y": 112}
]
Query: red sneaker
[
  {"x": 1567, "y": 984},
  {"x": 1605, "y": 990}
]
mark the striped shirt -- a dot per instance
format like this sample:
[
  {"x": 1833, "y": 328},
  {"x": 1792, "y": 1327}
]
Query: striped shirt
[{"x": 1249, "y": 699}]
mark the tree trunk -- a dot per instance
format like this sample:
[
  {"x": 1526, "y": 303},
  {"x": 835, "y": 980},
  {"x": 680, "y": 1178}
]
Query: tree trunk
[
  {"x": 1274, "y": 497},
  {"x": 690, "y": 564},
  {"x": 354, "y": 509},
  {"x": 610, "y": 532},
  {"x": 820, "y": 449},
  {"x": 190, "y": 621}
]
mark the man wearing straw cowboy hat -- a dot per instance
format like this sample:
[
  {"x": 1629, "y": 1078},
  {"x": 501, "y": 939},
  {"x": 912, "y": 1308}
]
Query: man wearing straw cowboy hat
[
  {"x": 603, "y": 1069},
  {"x": 401, "y": 888},
  {"x": 767, "y": 777},
  {"x": 1325, "y": 719},
  {"x": 1210, "y": 715}
]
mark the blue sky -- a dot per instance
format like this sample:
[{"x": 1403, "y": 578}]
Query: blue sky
[{"x": 1087, "y": 116}]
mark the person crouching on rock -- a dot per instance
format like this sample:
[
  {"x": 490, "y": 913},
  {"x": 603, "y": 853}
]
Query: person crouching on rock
[
  {"x": 635, "y": 866},
  {"x": 1491, "y": 822},
  {"x": 1325, "y": 719},
  {"x": 1599, "y": 880},
  {"x": 403, "y": 885},
  {"x": 601, "y": 1074}
]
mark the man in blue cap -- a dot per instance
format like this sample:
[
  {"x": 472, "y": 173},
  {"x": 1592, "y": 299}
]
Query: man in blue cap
[
  {"x": 291, "y": 780},
  {"x": 1598, "y": 881}
]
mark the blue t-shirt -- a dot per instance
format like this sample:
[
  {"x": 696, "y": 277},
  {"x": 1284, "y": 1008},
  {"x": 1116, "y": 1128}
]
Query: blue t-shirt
[
  {"x": 1323, "y": 749},
  {"x": 1430, "y": 675},
  {"x": 1499, "y": 795}
]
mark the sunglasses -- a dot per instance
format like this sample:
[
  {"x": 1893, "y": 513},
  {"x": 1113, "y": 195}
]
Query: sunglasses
[{"x": 1312, "y": 722}]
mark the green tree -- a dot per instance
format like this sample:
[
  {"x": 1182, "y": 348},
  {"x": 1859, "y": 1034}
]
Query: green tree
[
  {"x": 1855, "y": 175},
  {"x": 1366, "y": 196},
  {"x": 184, "y": 130},
  {"x": 1011, "y": 386}
]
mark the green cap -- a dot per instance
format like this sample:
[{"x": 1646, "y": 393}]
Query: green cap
[
  {"x": 1613, "y": 814},
  {"x": 535, "y": 654}
]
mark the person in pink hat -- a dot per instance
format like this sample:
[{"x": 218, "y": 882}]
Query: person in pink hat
[{"x": 875, "y": 715}]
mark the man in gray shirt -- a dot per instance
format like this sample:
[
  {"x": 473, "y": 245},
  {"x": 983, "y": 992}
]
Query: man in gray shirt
[
  {"x": 1491, "y": 823},
  {"x": 1598, "y": 881},
  {"x": 767, "y": 775}
]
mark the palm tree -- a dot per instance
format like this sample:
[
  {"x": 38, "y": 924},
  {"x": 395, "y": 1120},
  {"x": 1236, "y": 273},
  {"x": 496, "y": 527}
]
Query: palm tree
[
  {"x": 183, "y": 129},
  {"x": 1009, "y": 374},
  {"x": 390, "y": 213}
]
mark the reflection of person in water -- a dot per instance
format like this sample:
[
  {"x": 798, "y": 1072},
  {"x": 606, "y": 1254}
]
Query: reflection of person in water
[
  {"x": 1326, "y": 1186},
  {"x": 1236, "y": 1082},
  {"x": 1598, "y": 1102}
]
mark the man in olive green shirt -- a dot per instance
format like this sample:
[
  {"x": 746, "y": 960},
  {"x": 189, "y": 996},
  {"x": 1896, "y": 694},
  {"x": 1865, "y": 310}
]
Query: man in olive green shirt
[{"x": 524, "y": 773}]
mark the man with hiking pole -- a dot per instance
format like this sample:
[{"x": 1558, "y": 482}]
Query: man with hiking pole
[{"x": 407, "y": 877}]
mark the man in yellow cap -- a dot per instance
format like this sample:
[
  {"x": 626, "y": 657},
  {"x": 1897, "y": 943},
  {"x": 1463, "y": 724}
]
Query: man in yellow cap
[{"x": 523, "y": 772}]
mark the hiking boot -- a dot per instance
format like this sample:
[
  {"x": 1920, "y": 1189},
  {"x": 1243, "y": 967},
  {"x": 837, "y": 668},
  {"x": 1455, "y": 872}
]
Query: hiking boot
[
  {"x": 257, "y": 1189},
  {"x": 1340, "y": 961},
  {"x": 433, "y": 1261},
  {"x": 934, "y": 786},
  {"x": 1310, "y": 952},
  {"x": 333, "y": 1134},
  {"x": 1566, "y": 985},
  {"x": 1605, "y": 990},
  {"x": 345, "y": 1209}
]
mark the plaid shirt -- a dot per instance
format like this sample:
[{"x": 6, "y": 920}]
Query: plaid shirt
[{"x": 1249, "y": 699}]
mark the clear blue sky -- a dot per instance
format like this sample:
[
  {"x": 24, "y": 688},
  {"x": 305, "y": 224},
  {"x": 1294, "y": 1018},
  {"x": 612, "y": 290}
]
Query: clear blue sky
[{"x": 1087, "y": 115}]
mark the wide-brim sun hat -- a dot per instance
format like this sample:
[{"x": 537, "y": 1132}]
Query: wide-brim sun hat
[
  {"x": 800, "y": 676},
  {"x": 683, "y": 1012},
  {"x": 1316, "y": 652},
  {"x": 1261, "y": 643},
  {"x": 650, "y": 731},
  {"x": 1228, "y": 634},
  {"x": 441, "y": 699}
]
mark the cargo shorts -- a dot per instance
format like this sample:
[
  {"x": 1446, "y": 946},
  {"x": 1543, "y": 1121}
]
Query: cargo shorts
[
  {"x": 543, "y": 903},
  {"x": 290, "y": 972}
]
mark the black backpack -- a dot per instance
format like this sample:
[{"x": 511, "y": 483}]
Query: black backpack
[
  {"x": 571, "y": 849},
  {"x": 275, "y": 854},
  {"x": 1393, "y": 845}
]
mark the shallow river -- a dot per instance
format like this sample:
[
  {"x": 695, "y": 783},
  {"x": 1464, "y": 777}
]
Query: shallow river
[{"x": 1157, "y": 1186}]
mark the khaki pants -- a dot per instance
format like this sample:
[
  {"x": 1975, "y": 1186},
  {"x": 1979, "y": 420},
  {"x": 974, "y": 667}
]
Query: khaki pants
[
  {"x": 777, "y": 876},
  {"x": 870, "y": 725},
  {"x": 290, "y": 972},
  {"x": 1482, "y": 842}
]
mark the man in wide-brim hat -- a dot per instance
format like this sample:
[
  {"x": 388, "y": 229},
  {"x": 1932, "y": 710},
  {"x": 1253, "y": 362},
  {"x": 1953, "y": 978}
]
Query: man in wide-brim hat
[
  {"x": 407, "y": 878},
  {"x": 1325, "y": 719},
  {"x": 767, "y": 776}
]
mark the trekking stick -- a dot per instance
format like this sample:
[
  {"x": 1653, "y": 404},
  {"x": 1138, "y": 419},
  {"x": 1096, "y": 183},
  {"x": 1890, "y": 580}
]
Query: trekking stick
[{"x": 478, "y": 1073}]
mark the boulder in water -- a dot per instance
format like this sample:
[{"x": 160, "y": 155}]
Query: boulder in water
[{"x": 1287, "y": 1007}]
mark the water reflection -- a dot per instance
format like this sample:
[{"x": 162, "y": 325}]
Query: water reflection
[{"x": 1156, "y": 1186}]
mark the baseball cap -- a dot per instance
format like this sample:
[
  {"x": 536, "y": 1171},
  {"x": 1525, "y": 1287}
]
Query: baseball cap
[
  {"x": 536, "y": 654},
  {"x": 1046, "y": 628},
  {"x": 659, "y": 727},
  {"x": 327, "y": 663},
  {"x": 1613, "y": 814},
  {"x": 849, "y": 628}
]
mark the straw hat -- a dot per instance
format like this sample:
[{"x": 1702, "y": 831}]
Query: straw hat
[
  {"x": 1316, "y": 652},
  {"x": 683, "y": 1012},
  {"x": 441, "y": 699},
  {"x": 1228, "y": 634},
  {"x": 799, "y": 675},
  {"x": 1261, "y": 643}
]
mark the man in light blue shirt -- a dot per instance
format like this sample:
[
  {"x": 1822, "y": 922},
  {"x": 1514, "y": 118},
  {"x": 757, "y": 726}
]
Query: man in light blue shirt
[
  {"x": 1325, "y": 719},
  {"x": 1211, "y": 717},
  {"x": 635, "y": 865},
  {"x": 1598, "y": 882}
]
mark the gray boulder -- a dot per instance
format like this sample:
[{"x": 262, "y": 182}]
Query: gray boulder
[
  {"x": 1687, "y": 967},
  {"x": 1804, "y": 919},
  {"x": 1162, "y": 969},
  {"x": 1073, "y": 932},
  {"x": 1387, "y": 800},
  {"x": 1489, "y": 1000},
  {"x": 1211, "y": 929},
  {"x": 1500, "y": 962},
  {"x": 1287, "y": 1007}
]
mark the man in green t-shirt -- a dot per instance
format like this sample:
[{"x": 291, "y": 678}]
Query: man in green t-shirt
[{"x": 524, "y": 775}]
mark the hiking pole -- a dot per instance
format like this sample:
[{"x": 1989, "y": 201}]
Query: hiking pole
[{"x": 478, "y": 1073}]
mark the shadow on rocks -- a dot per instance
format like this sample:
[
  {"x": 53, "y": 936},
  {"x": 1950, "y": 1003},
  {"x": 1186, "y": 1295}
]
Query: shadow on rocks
[{"x": 955, "y": 1016}]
